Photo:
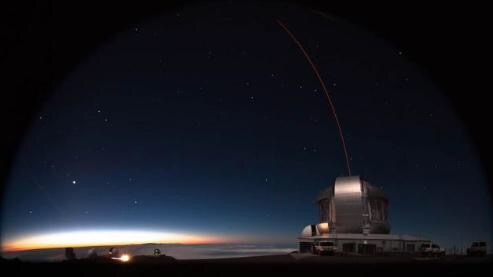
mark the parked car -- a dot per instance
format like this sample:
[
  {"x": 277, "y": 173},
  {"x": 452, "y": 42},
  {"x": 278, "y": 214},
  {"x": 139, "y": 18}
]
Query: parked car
[
  {"x": 478, "y": 248},
  {"x": 324, "y": 248},
  {"x": 431, "y": 250}
]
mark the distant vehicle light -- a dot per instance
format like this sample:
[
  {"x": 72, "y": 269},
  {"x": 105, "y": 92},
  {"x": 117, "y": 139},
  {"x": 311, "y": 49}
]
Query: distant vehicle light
[{"x": 124, "y": 258}]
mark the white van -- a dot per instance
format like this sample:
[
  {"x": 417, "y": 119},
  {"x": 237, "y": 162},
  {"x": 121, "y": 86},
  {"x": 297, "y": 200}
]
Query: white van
[{"x": 431, "y": 250}]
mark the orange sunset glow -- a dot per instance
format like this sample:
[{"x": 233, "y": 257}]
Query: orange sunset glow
[{"x": 101, "y": 238}]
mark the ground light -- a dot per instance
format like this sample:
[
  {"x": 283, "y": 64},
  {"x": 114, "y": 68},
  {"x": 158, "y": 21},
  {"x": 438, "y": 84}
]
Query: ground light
[{"x": 124, "y": 258}]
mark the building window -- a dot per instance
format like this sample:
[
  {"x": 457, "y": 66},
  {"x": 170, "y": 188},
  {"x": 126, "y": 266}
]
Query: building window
[
  {"x": 305, "y": 247},
  {"x": 367, "y": 249}
]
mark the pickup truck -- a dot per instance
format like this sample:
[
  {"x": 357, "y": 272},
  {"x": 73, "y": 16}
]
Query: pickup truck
[{"x": 324, "y": 248}]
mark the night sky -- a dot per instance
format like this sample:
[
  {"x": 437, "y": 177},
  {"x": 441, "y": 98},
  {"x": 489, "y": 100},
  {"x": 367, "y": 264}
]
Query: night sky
[{"x": 209, "y": 121}]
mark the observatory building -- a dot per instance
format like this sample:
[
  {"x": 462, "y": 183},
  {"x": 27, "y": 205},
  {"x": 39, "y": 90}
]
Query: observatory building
[{"x": 354, "y": 219}]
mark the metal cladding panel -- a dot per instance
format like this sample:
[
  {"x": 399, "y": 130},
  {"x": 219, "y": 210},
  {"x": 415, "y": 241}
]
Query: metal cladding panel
[{"x": 348, "y": 204}]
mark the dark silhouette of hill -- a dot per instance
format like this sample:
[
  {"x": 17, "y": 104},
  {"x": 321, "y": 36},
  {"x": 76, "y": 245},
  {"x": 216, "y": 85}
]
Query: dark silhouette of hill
[{"x": 279, "y": 265}]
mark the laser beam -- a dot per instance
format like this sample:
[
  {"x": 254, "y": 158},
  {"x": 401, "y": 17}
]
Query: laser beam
[{"x": 324, "y": 87}]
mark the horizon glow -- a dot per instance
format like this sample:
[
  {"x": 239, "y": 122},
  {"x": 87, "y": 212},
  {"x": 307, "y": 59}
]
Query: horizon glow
[{"x": 104, "y": 237}]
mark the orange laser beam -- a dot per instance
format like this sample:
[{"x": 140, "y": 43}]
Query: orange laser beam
[{"x": 324, "y": 87}]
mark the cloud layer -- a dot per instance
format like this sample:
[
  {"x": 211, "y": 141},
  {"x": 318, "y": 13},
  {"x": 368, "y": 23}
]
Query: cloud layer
[{"x": 204, "y": 251}]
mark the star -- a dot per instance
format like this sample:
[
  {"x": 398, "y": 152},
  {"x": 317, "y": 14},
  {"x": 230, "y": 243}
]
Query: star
[
  {"x": 136, "y": 202},
  {"x": 106, "y": 120},
  {"x": 74, "y": 182},
  {"x": 30, "y": 212}
]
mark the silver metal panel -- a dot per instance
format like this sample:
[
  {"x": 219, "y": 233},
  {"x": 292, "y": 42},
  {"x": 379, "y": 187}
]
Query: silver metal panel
[
  {"x": 353, "y": 205},
  {"x": 348, "y": 204},
  {"x": 326, "y": 206},
  {"x": 376, "y": 204}
]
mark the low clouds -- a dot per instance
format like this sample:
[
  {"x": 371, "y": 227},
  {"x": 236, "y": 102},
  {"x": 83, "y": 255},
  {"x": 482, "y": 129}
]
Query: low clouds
[{"x": 205, "y": 251}]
